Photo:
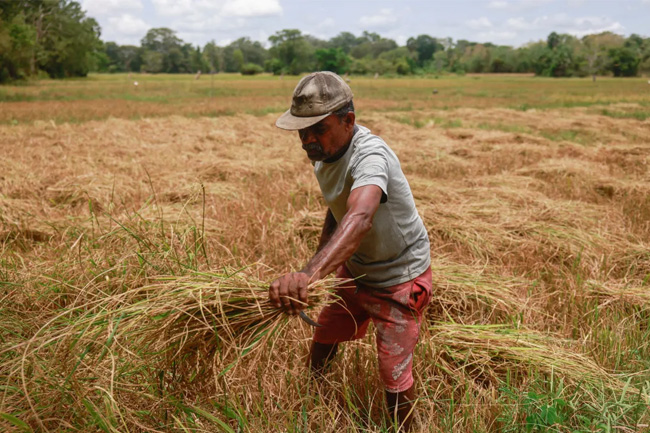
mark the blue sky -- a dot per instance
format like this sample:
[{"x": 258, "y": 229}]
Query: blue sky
[{"x": 507, "y": 22}]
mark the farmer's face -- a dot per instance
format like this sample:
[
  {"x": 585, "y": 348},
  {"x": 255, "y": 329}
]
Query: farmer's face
[{"x": 328, "y": 137}]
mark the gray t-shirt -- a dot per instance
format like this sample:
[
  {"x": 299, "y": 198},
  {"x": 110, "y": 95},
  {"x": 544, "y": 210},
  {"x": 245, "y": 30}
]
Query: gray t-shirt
[{"x": 396, "y": 249}]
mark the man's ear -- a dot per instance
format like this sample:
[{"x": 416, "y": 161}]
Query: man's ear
[{"x": 350, "y": 118}]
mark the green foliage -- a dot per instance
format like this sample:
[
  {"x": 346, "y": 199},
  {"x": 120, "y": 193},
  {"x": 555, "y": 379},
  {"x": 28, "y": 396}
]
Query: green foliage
[
  {"x": 213, "y": 57},
  {"x": 53, "y": 36},
  {"x": 291, "y": 48},
  {"x": 152, "y": 62},
  {"x": 425, "y": 46},
  {"x": 332, "y": 59},
  {"x": 624, "y": 63},
  {"x": 242, "y": 51},
  {"x": 29, "y": 44},
  {"x": 372, "y": 45},
  {"x": 251, "y": 69},
  {"x": 345, "y": 41}
]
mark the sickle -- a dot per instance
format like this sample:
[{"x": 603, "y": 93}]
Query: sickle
[{"x": 308, "y": 319}]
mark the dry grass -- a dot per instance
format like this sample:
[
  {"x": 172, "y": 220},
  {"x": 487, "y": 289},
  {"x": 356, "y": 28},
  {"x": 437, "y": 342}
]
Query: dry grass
[{"x": 540, "y": 230}]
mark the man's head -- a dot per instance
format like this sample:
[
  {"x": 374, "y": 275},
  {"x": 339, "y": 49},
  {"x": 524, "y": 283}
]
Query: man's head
[{"x": 323, "y": 114}]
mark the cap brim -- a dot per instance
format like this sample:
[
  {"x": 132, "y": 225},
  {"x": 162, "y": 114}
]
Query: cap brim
[{"x": 290, "y": 122}]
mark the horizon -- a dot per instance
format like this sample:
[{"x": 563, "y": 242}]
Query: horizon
[{"x": 513, "y": 23}]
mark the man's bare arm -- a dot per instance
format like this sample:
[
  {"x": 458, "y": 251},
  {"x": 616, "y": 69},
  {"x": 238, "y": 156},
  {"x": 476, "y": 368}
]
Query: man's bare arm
[
  {"x": 329, "y": 226},
  {"x": 357, "y": 221},
  {"x": 290, "y": 290}
]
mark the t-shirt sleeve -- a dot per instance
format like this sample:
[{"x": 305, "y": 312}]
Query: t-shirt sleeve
[{"x": 370, "y": 167}]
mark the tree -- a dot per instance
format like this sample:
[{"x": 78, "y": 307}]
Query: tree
[
  {"x": 372, "y": 45},
  {"x": 16, "y": 45},
  {"x": 332, "y": 59},
  {"x": 624, "y": 62},
  {"x": 425, "y": 46},
  {"x": 402, "y": 61},
  {"x": 476, "y": 58},
  {"x": 251, "y": 69},
  {"x": 197, "y": 62},
  {"x": 161, "y": 40},
  {"x": 242, "y": 51},
  {"x": 152, "y": 62},
  {"x": 594, "y": 51},
  {"x": 131, "y": 57},
  {"x": 293, "y": 51},
  {"x": 171, "y": 54},
  {"x": 213, "y": 56},
  {"x": 345, "y": 41},
  {"x": 112, "y": 54}
]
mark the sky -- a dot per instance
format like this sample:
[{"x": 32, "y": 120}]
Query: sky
[{"x": 504, "y": 22}]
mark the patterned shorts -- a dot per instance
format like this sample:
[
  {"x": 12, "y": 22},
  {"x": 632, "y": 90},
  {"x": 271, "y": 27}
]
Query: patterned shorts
[{"x": 396, "y": 313}]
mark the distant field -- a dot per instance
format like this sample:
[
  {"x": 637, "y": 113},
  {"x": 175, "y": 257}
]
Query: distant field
[
  {"x": 535, "y": 192},
  {"x": 102, "y": 96}
]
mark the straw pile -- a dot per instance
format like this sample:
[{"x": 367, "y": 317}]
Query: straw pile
[{"x": 176, "y": 333}]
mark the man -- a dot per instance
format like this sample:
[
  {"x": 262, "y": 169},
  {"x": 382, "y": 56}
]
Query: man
[{"x": 372, "y": 232}]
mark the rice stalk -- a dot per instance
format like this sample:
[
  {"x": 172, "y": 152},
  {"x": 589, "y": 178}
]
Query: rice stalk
[
  {"x": 610, "y": 293},
  {"x": 488, "y": 352},
  {"x": 175, "y": 335}
]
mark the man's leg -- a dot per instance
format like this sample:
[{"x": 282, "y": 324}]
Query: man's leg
[
  {"x": 342, "y": 320},
  {"x": 397, "y": 314},
  {"x": 320, "y": 356},
  {"x": 401, "y": 404}
]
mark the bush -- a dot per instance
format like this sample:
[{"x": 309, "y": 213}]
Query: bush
[
  {"x": 251, "y": 69},
  {"x": 274, "y": 66}
]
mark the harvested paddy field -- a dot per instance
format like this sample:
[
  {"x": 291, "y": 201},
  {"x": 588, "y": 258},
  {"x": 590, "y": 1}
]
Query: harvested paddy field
[{"x": 130, "y": 227}]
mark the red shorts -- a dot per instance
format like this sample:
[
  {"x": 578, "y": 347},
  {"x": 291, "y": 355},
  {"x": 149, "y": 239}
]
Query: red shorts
[{"x": 396, "y": 313}]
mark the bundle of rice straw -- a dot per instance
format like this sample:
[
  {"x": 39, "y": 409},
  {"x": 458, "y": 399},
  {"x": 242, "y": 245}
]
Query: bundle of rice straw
[
  {"x": 485, "y": 351},
  {"x": 152, "y": 337},
  {"x": 176, "y": 312}
]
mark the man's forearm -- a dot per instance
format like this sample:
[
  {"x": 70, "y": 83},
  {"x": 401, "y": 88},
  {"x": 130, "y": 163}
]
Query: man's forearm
[
  {"x": 340, "y": 246},
  {"x": 329, "y": 226}
]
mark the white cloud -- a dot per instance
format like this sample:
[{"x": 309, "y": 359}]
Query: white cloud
[
  {"x": 128, "y": 25},
  {"x": 327, "y": 23},
  {"x": 589, "y": 25},
  {"x": 401, "y": 39},
  {"x": 97, "y": 8},
  {"x": 181, "y": 7},
  {"x": 550, "y": 23},
  {"x": 498, "y": 4},
  {"x": 532, "y": 4},
  {"x": 384, "y": 19},
  {"x": 518, "y": 23},
  {"x": 479, "y": 23},
  {"x": 125, "y": 29},
  {"x": 519, "y": 5},
  {"x": 562, "y": 23},
  {"x": 251, "y": 8},
  {"x": 227, "y": 8}
]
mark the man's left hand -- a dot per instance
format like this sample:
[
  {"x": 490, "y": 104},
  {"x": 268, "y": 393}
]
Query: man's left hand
[{"x": 290, "y": 292}]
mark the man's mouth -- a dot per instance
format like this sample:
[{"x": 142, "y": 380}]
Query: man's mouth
[{"x": 313, "y": 149}]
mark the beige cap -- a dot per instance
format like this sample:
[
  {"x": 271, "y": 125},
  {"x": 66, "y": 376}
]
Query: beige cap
[{"x": 316, "y": 96}]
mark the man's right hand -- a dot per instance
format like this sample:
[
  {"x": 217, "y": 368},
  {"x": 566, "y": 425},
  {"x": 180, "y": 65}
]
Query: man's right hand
[{"x": 290, "y": 292}]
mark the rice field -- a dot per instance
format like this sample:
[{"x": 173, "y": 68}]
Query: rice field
[{"x": 140, "y": 226}]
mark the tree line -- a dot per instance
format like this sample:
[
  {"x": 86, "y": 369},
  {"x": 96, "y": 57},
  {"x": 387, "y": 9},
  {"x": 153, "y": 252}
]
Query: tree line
[
  {"x": 292, "y": 52},
  {"x": 56, "y": 38}
]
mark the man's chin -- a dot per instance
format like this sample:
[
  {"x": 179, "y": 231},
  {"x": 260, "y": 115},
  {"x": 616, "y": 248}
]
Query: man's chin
[{"x": 316, "y": 158}]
